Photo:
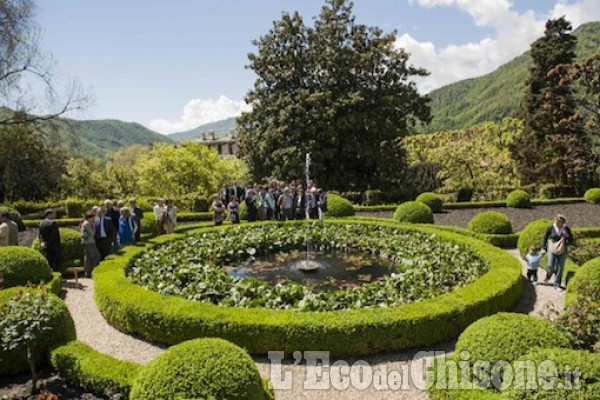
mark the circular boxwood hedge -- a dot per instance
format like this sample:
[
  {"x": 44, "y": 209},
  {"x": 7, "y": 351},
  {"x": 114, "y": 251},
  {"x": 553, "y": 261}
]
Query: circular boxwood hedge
[
  {"x": 70, "y": 246},
  {"x": 22, "y": 265},
  {"x": 170, "y": 319},
  {"x": 532, "y": 235},
  {"x": 508, "y": 336},
  {"x": 337, "y": 206},
  {"x": 432, "y": 200},
  {"x": 518, "y": 199},
  {"x": 592, "y": 196},
  {"x": 414, "y": 212},
  {"x": 491, "y": 222},
  {"x": 62, "y": 330},
  {"x": 200, "y": 369}
]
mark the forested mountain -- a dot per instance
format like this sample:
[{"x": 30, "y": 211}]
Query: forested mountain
[
  {"x": 497, "y": 95},
  {"x": 220, "y": 128}
]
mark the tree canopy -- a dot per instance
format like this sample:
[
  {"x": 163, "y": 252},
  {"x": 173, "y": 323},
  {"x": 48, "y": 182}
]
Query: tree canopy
[{"x": 339, "y": 90}]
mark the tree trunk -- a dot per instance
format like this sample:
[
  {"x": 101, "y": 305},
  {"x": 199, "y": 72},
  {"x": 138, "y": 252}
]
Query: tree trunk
[{"x": 31, "y": 363}]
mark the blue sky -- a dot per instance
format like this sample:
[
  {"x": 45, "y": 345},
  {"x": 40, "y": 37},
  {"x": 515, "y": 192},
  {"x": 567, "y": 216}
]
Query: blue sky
[{"x": 173, "y": 65}]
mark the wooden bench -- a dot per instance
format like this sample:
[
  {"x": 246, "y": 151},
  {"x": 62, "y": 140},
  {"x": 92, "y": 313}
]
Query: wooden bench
[{"x": 75, "y": 271}]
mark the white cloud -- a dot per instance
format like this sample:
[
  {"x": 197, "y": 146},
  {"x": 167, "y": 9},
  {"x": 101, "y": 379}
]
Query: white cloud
[
  {"x": 198, "y": 112},
  {"x": 513, "y": 32}
]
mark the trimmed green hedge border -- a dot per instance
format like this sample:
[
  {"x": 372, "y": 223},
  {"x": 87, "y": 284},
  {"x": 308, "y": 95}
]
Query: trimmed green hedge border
[
  {"x": 476, "y": 204},
  {"x": 352, "y": 332},
  {"x": 82, "y": 366}
]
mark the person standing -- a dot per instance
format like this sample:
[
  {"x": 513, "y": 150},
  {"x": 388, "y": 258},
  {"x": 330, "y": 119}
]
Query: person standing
[
  {"x": 50, "y": 240},
  {"x": 300, "y": 204},
  {"x": 218, "y": 211},
  {"x": 313, "y": 203},
  {"x": 4, "y": 230},
  {"x": 234, "y": 210},
  {"x": 104, "y": 234},
  {"x": 159, "y": 210},
  {"x": 170, "y": 217},
  {"x": 114, "y": 215},
  {"x": 137, "y": 214},
  {"x": 286, "y": 205},
  {"x": 13, "y": 231},
  {"x": 322, "y": 204},
  {"x": 251, "y": 206},
  {"x": 91, "y": 255},
  {"x": 270, "y": 200},
  {"x": 127, "y": 227},
  {"x": 556, "y": 240}
]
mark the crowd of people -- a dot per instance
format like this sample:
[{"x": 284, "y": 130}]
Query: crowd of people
[{"x": 275, "y": 201}]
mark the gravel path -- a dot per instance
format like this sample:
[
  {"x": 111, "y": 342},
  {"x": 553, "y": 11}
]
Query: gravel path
[
  {"x": 92, "y": 329},
  {"x": 578, "y": 215}
]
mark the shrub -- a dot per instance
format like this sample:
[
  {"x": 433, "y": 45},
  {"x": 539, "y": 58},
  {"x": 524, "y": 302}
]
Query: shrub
[
  {"x": 200, "y": 369},
  {"x": 373, "y": 197},
  {"x": 491, "y": 222},
  {"x": 61, "y": 331},
  {"x": 149, "y": 224},
  {"x": 352, "y": 197},
  {"x": 585, "y": 387},
  {"x": 584, "y": 250},
  {"x": 581, "y": 320},
  {"x": 464, "y": 194},
  {"x": 592, "y": 196},
  {"x": 194, "y": 202},
  {"x": 14, "y": 215},
  {"x": 20, "y": 265},
  {"x": 518, "y": 199},
  {"x": 70, "y": 245},
  {"x": 508, "y": 336},
  {"x": 554, "y": 191},
  {"x": 414, "y": 212},
  {"x": 432, "y": 200},
  {"x": 75, "y": 208},
  {"x": 337, "y": 206},
  {"x": 84, "y": 367},
  {"x": 532, "y": 235}
]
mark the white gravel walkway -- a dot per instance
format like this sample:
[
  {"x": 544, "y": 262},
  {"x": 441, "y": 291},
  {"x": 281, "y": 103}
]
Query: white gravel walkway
[{"x": 93, "y": 330}]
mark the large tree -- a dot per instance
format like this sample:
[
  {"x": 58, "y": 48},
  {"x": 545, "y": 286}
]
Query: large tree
[
  {"x": 554, "y": 147},
  {"x": 339, "y": 90},
  {"x": 27, "y": 80}
]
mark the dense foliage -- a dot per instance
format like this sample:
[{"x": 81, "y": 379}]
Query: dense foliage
[
  {"x": 592, "y": 196},
  {"x": 339, "y": 90},
  {"x": 20, "y": 266},
  {"x": 491, "y": 222},
  {"x": 200, "y": 369},
  {"x": 337, "y": 206},
  {"x": 190, "y": 267},
  {"x": 533, "y": 235},
  {"x": 414, "y": 212},
  {"x": 478, "y": 158}
]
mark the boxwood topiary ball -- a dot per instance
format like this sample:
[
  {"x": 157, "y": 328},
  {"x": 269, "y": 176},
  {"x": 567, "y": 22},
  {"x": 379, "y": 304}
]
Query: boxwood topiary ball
[
  {"x": 491, "y": 222},
  {"x": 592, "y": 196},
  {"x": 532, "y": 235},
  {"x": 20, "y": 265},
  {"x": 200, "y": 369},
  {"x": 414, "y": 212},
  {"x": 518, "y": 199},
  {"x": 506, "y": 337},
  {"x": 432, "y": 200},
  {"x": 337, "y": 206}
]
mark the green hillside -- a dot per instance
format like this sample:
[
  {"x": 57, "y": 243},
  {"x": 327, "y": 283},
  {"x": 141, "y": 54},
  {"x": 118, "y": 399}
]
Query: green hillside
[
  {"x": 497, "y": 95},
  {"x": 94, "y": 138},
  {"x": 220, "y": 128}
]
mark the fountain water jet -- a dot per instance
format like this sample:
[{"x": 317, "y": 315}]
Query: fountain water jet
[{"x": 308, "y": 265}]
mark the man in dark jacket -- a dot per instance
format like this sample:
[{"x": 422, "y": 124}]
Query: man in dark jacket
[
  {"x": 105, "y": 232},
  {"x": 137, "y": 215},
  {"x": 50, "y": 240},
  {"x": 114, "y": 216}
]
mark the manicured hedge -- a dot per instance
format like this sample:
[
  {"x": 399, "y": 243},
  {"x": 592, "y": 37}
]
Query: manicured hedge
[
  {"x": 564, "y": 360},
  {"x": 200, "y": 369},
  {"x": 518, "y": 199},
  {"x": 533, "y": 235},
  {"x": 414, "y": 212},
  {"x": 22, "y": 265},
  {"x": 588, "y": 273},
  {"x": 71, "y": 248},
  {"x": 491, "y": 223},
  {"x": 82, "y": 366},
  {"x": 62, "y": 222},
  {"x": 592, "y": 196},
  {"x": 173, "y": 320},
  {"x": 337, "y": 206},
  {"x": 432, "y": 200},
  {"x": 62, "y": 331}
]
